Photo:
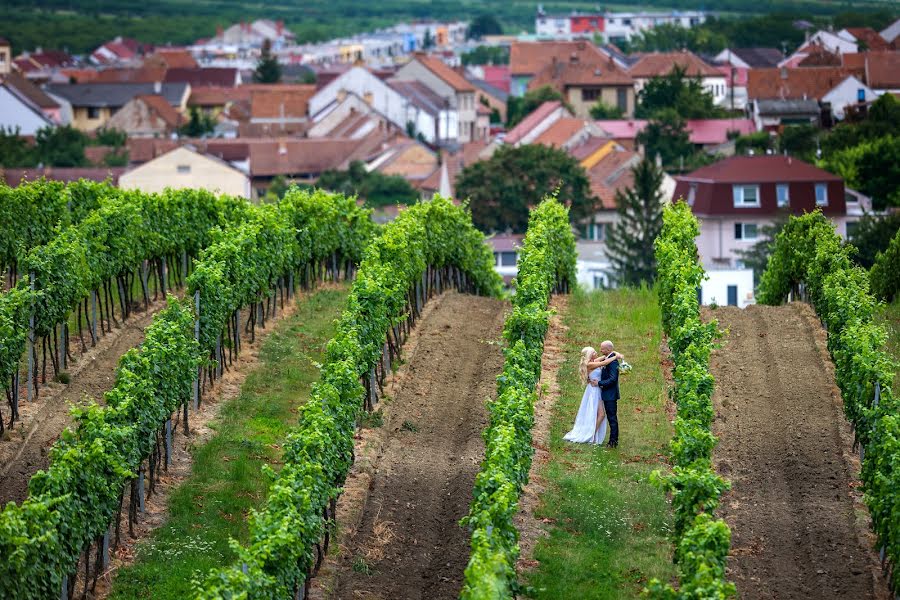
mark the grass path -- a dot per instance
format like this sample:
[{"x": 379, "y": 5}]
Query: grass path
[
  {"x": 889, "y": 316},
  {"x": 607, "y": 524},
  {"x": 212, "y": 505}
]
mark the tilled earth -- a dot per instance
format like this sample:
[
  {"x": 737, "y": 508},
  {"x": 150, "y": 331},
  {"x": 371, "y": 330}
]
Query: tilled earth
[
  {"x": 409, "y": 543},
  {"x": 799, "y": 529}
]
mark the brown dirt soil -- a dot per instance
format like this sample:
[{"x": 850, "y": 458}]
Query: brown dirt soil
[
  {"x": 531, "y": 529},
  {"x": 409, "y": 543},
  {"x": 24, "y": 450},
  {"x": 799, "y": 528}
]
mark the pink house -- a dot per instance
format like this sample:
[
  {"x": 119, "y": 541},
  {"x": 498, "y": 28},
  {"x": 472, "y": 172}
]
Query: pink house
[{"x": 703, "y": 132}]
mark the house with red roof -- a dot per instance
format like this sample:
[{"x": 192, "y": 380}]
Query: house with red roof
[
  {"x": 527, "y": 59},
  {"x": 584, "y": 84},
  {"x": 703, "y": 133},
  {"x": 735, "y": 197},
  {"x": 147, "y": 115},
  {"x": 536, "y": 123},
  {"x": 660, "y": 64},
  {"x": 41, "y": 65},
  {"x": 116, "y": 52},
  {"x": 450, "y": 85}
]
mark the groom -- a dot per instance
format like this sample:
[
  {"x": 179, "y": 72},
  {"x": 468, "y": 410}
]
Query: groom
[{"x": 609, "y": 393}]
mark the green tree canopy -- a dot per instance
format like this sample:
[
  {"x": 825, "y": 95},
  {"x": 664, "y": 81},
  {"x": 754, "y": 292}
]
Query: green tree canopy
[
  {"x": 872, "y": 235},
  {"x": 676, "y": 91},
  {"x": 629, "y": 243},
  {"x": 800, "y": 141},
  {"x": 482, "y": 25},
  {"x": 377, "y": 189},
  {"x": 486, "y": 55},
  {"x": 61, "y": 146},
  {"x": 14, "y": 150},
  {"x": 267, "y": 69},
  {"x": 519, "y": 108},
  {"x": 198, "y": 125},
  {"x": 666, "y": 136},
  {"x": 503, "y": 188},
  {"x": 601, "y": 110}
]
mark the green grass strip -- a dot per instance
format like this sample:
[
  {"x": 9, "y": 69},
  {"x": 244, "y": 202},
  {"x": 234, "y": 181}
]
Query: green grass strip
[
  {"x": 211, "y": 506},
  {"x": 609, "y": 526}
]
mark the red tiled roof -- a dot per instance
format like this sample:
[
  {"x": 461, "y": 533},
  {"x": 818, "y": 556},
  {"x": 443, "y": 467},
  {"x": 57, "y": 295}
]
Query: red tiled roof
[
  {"x": 700, "y": 131},
  {"x": 612, "y": 173},
  {"x": 497, "y": 76},
  {"x": 310, "y": 156},
  {"x": 871, "y": 38},
  {"x": 29, "y": 90},
  {"x": 758, "y": 169},
  {"x": 785, "y": 83},
  {"x": 161, "y": 107},
  {"x": 528, "y": 58},
  {"x": 531, "y": 121},
  {"x": 215, "y": 76},
  {"x": 448, "y": 75},
  {"x": 881, "y": 69},
  {"x": 218, "y": 96},
  {"x": 657, "y": 64},
  {"x": 279, "y": 102},
  {"x": 173, "y": 58},
  {"x": 80, "y": 75},
  {"x": 560, "y": 132},
  {"x": 562, "y": 75},
  {"x": 128, "y": 75},
  {"x": 819, "y": 56}
]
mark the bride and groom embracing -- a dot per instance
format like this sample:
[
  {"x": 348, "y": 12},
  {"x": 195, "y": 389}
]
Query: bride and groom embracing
[{"x": 599, "y": 402}]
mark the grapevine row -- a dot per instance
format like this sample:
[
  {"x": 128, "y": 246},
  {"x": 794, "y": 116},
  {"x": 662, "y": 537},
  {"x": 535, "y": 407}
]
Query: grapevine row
[
  {"x": 72, "y": 507},
  {"x": 701, "y": 540},
  {"x": 546, "y": 265},
  {"x": 810, "y": 262},
  {"x": 430, "y": 246}
]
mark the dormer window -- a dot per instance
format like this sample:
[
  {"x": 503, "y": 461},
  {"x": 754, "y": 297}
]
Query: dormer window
[
  {"x": 782, "y": 195},
  {"x": 746, "y": 196}
]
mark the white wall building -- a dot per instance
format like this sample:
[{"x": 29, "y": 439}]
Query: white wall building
[{"x": 728, "y": 287}]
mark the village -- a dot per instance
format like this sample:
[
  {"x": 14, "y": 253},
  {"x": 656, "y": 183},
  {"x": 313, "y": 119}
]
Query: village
[{"x": 400, "y": 114}]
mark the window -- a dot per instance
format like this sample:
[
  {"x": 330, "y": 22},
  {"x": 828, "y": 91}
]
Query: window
[
  {"x": 93, "y": 112},
  {"x": 745, "y": 232},
  {"x": 739, "y": 264},
  {"x": 692, "y": 194},
  {"x": 782, "y": 195},
  {"x": 590, "y": 94},
  {"x": 183, "y": 169},
  {"x": 860, "y": 95},
  {"x": 600, "y": 281},
  {"x": 821, "y": 194},
  {"x": 851, "y": 228},
  {"x": 746, "y": 195},
  {"x": 594, "y": 231},
  {"x": 732, "y": 295},
  {"x": 508, "y": 259},
  {"x": 622, "y": 99}
]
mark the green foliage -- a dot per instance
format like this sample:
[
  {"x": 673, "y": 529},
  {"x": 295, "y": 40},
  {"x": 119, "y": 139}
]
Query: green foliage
[
  {"x": 486, "y": 55},
  {"x": 72, "y": 503},
  {"x": 503, "y": 188},
  {"x": 809, "y": 251},
  {"x": 376, "y": 188},
  {"x": 267, "y": 69},
  {"x": 670, "y": 38},
  {"x": 61, "y": 146},
  {"x": 601, "y": 110},
  {"x": 318, "y": 453},
  {"x": 546, "y": 265},
  {"x": 756, "y": 257},
  {"x": 630, "y": 241},
  {"x": 519, "y": 108},
  {"x": 15, "y": 150},
  {"x": 482, "y": 25},
  {"x": 701, "y": 541},
  {"x": 108, "y": 136},
  {"x": 800, "y": 141},
  {"x": 759, "y": 142},
  {"x": 676, "y": 92},
  {"x": 873, "y": 234},
  {"x": 199, "y": 124},
  {"x": 666, "y": 136},
  {"x": 885, "y": 275}
]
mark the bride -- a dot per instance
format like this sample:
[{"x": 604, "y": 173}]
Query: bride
[{"x": 590, "y": 423}]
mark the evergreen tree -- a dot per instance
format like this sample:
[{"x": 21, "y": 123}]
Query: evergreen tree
[
  {"x": 629, "y": 242},
  {"x": 267, "y": 69}
]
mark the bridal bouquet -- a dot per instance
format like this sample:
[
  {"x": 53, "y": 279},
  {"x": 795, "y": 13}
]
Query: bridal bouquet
[{"x": 624, "y": 367}]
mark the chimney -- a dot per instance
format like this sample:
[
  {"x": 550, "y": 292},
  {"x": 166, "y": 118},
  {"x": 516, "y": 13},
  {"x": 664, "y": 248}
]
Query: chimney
[
  {"x": 282, "y": 148},
  {"x": 157, "y": 87},
  {"x": 574, "y": 58},
  {"x": 784, "y": 74}
]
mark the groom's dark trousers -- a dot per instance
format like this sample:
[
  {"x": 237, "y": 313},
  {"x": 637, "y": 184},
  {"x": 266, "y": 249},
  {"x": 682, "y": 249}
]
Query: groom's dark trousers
[{"x": 609, "y": 393}]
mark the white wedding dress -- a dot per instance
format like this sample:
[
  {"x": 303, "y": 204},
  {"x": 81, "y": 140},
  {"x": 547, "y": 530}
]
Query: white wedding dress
[{"x": 585, "y": 430}]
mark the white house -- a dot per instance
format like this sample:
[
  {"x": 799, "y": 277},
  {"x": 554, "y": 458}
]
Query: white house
[
  {"x": 184, "y": 167},
  {"x": 727, "y": 287},
  {"x": 18, "y": 112},
  {"x": 849, "y": 92}
]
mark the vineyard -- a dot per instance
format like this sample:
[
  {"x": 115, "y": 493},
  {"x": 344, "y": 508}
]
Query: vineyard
[{"x": 401, "y": 472}]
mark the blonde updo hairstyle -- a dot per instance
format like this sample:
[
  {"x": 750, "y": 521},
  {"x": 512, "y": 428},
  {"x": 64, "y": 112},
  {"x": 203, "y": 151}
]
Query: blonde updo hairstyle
[{"x": 587, "y": 353}]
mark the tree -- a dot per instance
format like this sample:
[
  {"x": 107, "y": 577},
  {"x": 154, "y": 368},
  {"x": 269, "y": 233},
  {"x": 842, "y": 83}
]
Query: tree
[
  {"x": 629, "y": 243},
  {"x": 267, "y": 69},
  {"x": 601, "y": 110},
  {"x": 377, "y": 189},
  {"x": 800, "y": 141},
  {"x": 110, "y": 137},
  {"x": 759, "y": 142},
  {"x": 198, "y": 125},
  {"x": 666, "y": 136},
  {"x": 756, "y": 257},
  {"x": 486, "y": 55},
  {"x": 872, "y": 168},
  {"x": 503, "y": 188},
  {"x": 61, "y": 146},
  {"x": 872, "y": 235},
  {"x": 519, "y": 108},
  {"x": 14, "y": 149},
  {"x": 676, "y": 91},
  {"x": 483, "y": 25},
  {"x": 427, "y": 40}
]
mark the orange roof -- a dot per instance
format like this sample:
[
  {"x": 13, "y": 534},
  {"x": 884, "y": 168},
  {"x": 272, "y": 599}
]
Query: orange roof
[
  {"x": 217, "y": 96},
  {"x": 172, "y": 58},
  {"x": 456, "y": 162},
  {"x": 868, "y": 36},
  {"x": 281, "y": 103},
  {"x": 561, "y": 132},
  {"x": 529, "y": 58},
  {"x": 411, "y": 160},
  {"x": 819, "y": 56},
  {"x": 561, "y": 75},
  {"x": 165, "y": 111},
  {"x": 79, "y": 75},
  {"x": 448, "y": 75},
  {"x": 881, "y": 69},
  {"x": 531, "y": 121},
  {"x": 612, "y": 173},
  {"x": 804, "y": 82},
  {"x": 657, "y": 64},
  {"x": 125, "y": 75}
]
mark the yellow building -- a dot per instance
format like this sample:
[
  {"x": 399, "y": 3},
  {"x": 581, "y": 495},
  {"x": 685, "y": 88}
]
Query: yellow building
[
  {"x": 186, "y": 168},
  {"x": 92, "y": 104}
]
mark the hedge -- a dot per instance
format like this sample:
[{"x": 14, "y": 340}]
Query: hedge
[
  {"x": 810, "y": 261},
  {"x": 428, "y": 243},
  {"x": 885, "y": 273},
  {"x": 546, "y": 264},
  {"x": 701, "y": 540}
]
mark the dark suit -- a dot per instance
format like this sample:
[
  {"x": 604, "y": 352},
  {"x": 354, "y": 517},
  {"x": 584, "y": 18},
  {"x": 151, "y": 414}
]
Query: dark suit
[{"x": 609, "y": 393}]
